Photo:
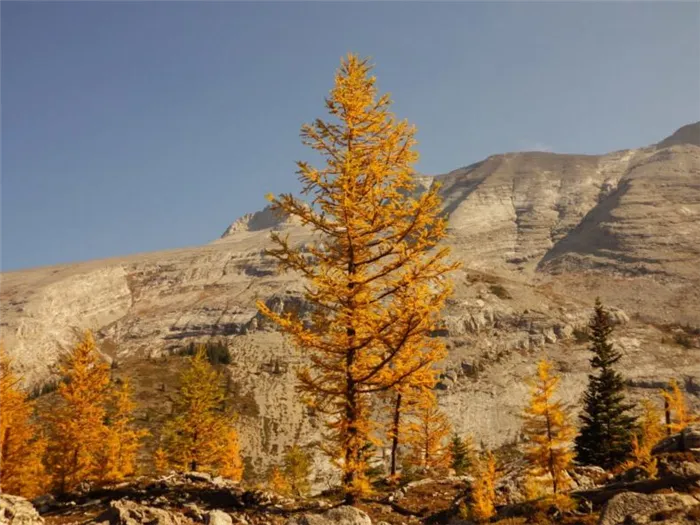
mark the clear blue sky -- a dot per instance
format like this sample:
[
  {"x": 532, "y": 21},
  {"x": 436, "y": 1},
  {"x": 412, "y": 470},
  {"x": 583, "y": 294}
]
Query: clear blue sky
[{"x": 133, "y": 126}]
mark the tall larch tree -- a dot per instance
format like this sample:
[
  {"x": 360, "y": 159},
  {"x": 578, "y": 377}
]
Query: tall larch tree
[
  {"x": 197, "y": 434},
  {"x": 123, "y": 439},
  {"x": 548, "y": 430},
  {"x": 427, "y": 434},
  {"x": 77, "y": 424},
  {"x": 21, "y": 443},
  {"x": 375, "y": 278},
  {"x": 605, "y": 438}
]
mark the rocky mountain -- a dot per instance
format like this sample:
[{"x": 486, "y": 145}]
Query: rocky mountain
[{"x": 540, "y": 235}]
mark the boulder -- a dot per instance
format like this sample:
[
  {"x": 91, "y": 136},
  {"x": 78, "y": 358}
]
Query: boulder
[
  {"x": 617, "y": 316},
  {"x": 126, "y": 512},
  {"x": 588, "y": 476},
  {"x": 549, "y": 336},
  {"x": 631, "y": 507},
  {"x": 44, "y": 503},
  {"x": 563, "y": 331},
  {"x": 198, "y": 476},
  {"x": 218, "y": 517},
  {"x": 688, "y": 440},
  {"x": 344, "y": 515},
  {"x": 15, "y": 510}
]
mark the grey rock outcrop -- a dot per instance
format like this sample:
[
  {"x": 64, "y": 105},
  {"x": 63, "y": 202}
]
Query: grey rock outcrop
[
  {"x": 218, "y": 517},
  {"x": 15, "y": 510},
  {"x": 688, "y": 440},
  {"x": 126, "y": 512},
  {"x": 345, "y": 515},
  {"x": 630, "y": 507}
]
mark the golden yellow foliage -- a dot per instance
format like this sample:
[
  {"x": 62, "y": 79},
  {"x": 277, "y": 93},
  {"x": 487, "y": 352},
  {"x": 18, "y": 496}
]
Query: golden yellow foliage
[
  {"x": 230, "y": 463},
  {"x": 160, "y": 461},
  {"x": 122, "y": 438},
  {"x": 297, "y": 469},
  {"x": 548, "y": 430},
  {"x": 199, "y": 432},
  {"x": 21, "y": 445},
  {"x": 681, "y": 417},
  {"x": 77, "y": 429},
  {"x": 483, "y": 492},
  {"x": 278, "y": 483},
  {"x": 404, "y": 399},
  {"x": 427, "y": 434},
  {"x": 375, "y": 277},
  {"x": 649, "y": 434}
]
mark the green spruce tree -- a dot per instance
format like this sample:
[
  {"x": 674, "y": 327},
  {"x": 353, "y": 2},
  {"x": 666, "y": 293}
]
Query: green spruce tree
[
  {"x": 460, "y": 454},
  {"x": 607, "y": 427}
]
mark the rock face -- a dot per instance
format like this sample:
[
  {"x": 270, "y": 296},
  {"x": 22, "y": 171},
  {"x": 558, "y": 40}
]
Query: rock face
[
  {"x": 345, "y": 515},
  {"x": 540, "y": 234},
  {"x": 15, "y": 510},
  {"x": 630, "y": 507}
]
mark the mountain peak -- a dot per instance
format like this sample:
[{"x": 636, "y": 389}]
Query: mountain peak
[{"x": 689, "y": 134}]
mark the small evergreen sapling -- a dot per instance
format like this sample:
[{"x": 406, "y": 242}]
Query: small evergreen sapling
[{"x": 461, "y": 454}]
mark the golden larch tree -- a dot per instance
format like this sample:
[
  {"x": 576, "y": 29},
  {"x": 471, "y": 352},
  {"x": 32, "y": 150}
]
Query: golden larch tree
[
  {"x": 375, "y": 278},
  {"x": 277, "y": 482},
  {"x": 548, "y": 430},
  {"x": 230, "y": 462},
  {"x": 21, "y": 445},
  {"x": 677, "y": 405},
  {"x": 649, "y": 433},
  {"x": 404, "y": 399},
  {"x": 160, "y": 461},
  {"x": 197, "y": 434},
  {"x": 123, "y": 439},
  {"x": 77, "y": 424},
  {"x": 427, "y": 434},
  {"x": 483, "y": 489},
  {"x": 297, "y": 470}
]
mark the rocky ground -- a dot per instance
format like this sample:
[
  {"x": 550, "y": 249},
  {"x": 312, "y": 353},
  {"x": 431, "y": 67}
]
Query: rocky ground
[{"x": 193, "y": 498}]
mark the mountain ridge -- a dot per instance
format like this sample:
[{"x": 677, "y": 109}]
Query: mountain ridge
[{"x": 540, "y": 235}]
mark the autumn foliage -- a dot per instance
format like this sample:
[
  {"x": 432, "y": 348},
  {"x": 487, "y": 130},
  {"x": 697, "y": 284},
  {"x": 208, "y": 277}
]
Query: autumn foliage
[
  {"x": 277, "y": 482},
  {"x": 122, "y": 439},
  {"x": 375, "y": 277},
  {"x": 649, "y": 433},
  {"x": 199, "y": 435},
  {"x": 427, "y": 435},
  {"x": 21, "y": 443},
  {"x": 77, "y": 424},
  {"x": 230, "y": 462},
  {"x": 548, "y": 430},
  {"x": 483, "y": 490},
  {"x": 677, "y": 405}
]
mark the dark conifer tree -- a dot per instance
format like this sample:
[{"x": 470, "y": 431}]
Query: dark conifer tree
[
  {"x": 460, "y": 454},
  {"x": 607, "y": 427}
]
